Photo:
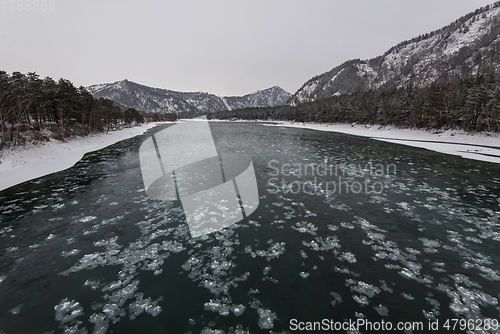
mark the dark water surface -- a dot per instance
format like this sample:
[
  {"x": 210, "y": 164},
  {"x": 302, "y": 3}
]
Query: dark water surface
[{"x": 86, "y": 251}]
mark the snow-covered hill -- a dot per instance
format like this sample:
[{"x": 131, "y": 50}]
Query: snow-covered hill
[
  {"x": 274, "y": 96},
  {"x": 129, "y": 94},
  {"x": 470, "y": 45}
]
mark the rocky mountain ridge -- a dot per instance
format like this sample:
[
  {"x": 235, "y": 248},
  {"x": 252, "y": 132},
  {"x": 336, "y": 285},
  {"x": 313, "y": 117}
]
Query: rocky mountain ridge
[{"x": 128, "y": 94}]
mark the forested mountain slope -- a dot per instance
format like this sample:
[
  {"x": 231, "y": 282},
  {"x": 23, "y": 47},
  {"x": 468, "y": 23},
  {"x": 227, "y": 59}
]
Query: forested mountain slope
[
  {"x": 129, "y": 94},
  {"x": 469, "y": 46}
]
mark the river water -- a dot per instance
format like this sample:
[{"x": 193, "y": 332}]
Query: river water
[{"x": 402, "y": 235}]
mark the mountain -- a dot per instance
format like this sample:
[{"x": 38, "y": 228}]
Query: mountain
[
  {"x": 128, "y": 94},
  {"x": 470, "y": 45},
  {"x": 274, "y": 96}
]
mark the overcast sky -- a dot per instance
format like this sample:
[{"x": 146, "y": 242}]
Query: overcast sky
[{"x": 225, "y": 47}]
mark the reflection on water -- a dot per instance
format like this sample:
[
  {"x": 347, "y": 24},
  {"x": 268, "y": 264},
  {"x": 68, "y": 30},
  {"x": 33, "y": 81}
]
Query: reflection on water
[{"x": 87, "y": 251}]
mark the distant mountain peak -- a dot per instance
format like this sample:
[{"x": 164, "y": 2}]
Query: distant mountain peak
[{"x": 129, "y": 94}]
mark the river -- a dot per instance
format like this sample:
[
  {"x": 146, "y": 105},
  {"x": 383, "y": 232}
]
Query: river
[{"x": 401, "y": 234}]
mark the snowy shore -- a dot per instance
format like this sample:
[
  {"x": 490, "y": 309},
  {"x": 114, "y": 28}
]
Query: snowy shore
[
  {"x": 25, "y": 163},
  {"x": 484, "y": 147}
]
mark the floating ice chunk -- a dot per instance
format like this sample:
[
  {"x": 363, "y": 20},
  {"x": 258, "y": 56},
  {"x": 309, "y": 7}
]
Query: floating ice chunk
[
  {"x": 70, "y": 252},
  {"x": 474, "y": 239},
  {"x": 254, "y": 223},
  {"x": 407, "y": 296},
  {"x": 211, "y": 331},
  {"x": 270, "y": 279},
  {"x": 364, "y": 288},
  {"x": 337, "y": 298},
  {"x": 93, "y": 284},
  {"x": 120, "y": 296},
  {"x": 430, "y": 243},
  {"x": 488, "y": 273},
  {"x": 100, "y": 322},
  {"x": 266, "y": 270},
  {"x": 67, "y": 311},
  {"x": 458, "y": 307},
  {"x": 266, "y": 319},
  {"x": 310, "y": 213},
  {"x": 412, "y": 251},
  {"x": 88, "y": 261},
  {"x": 358, "y": 315},
  {"x": 141, "y": 305},
  {"x": 345, "y": 270},
  {"x": 340, "y": 207},
  {"x": 382, "y": 310},
  {"x": 305, "y": 227},
  {"x": 347, "y": 225},
  {"x": 385, "y": 287},
  {"x": 87, "y": 219},
  {"x": 375, "y": 236},
  {"x": 274, "y": 251},
  {"x": 5, "y": 230},
  {"x": 323, "y": 244},
  {"x": 348, "y": 256},
  {"x": 238, "y": 309},
  {"x": 304, "y": 274},
  {"x": 406, "y": 273},
  {"x": 413, "y": 266},
  {"x": 16, "y": 310},
  {"x": 113, "y": 311},
  {"x": 463, "y": 279},
  {"x": 392, "y": 266},
  {"x": 361, "y": 299}
]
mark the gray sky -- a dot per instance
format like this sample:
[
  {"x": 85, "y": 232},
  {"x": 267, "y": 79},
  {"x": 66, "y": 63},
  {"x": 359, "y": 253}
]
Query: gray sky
[{"x": 225, "y": 47}]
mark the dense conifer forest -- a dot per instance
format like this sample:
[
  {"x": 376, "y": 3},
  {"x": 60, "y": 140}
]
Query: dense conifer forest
[
  {"x": 34, "y": 110},
  {"x": 471, "y": 104}
]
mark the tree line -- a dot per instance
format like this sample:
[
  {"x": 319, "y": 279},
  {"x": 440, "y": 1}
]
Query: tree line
[
  {"x": 35, "y": 109},
  {"x": 471, "y": 104}
]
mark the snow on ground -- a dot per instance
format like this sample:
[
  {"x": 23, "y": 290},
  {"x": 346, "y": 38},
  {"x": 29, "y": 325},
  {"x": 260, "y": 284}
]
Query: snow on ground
[
  {"x": 484, "y": 147},
  {"x": 25, "y": 163}
]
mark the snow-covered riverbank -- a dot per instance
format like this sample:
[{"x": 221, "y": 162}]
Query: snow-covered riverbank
[
  {"x": 484, "y": 147},
  {"x": 25, "y": 163}
]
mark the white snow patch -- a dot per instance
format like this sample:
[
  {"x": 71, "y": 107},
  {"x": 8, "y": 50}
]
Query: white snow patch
[
  {"x": 26, "y": 163},
  {"x": 225, "y": 103},
  {"x": 333, "y": 79}
]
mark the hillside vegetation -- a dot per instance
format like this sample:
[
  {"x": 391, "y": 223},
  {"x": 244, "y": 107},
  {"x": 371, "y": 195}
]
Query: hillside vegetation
[
  {"x": 36, "y": 110},
  {"x": 471, "y": 104}
]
